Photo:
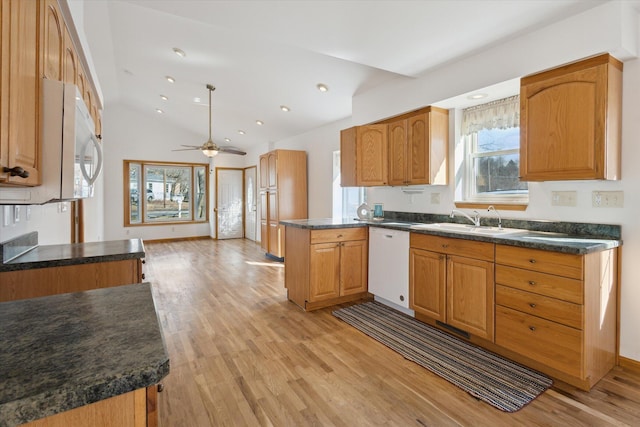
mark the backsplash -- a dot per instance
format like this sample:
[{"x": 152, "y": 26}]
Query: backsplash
[{"x": 600, "y": 231}]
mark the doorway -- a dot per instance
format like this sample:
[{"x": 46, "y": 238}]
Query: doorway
[
  {"x": 250, "y": 203},
  {"x": 229, "y": 203}
]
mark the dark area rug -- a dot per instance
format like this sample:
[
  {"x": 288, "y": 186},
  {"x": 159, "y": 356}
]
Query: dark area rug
[{"x": 500, "y": 382}]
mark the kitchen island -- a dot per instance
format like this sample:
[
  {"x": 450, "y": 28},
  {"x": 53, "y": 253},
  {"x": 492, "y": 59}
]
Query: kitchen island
[{"x": 59, "y": 353}]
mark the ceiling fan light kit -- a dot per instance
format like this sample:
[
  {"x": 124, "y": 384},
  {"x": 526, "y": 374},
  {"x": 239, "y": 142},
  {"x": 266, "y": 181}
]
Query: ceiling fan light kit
[{"x": 209, "y": 148}]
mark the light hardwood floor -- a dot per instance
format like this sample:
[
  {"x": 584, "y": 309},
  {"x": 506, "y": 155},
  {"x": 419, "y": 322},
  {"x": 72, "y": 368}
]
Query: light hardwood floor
[{"x": 242, "y": 355}]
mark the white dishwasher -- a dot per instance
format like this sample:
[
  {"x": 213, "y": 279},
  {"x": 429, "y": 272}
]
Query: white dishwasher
[{"x": 389, "y": 267}]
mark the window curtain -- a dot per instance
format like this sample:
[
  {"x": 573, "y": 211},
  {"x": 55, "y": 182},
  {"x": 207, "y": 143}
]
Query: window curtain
[{"x": 501, "y": 114}]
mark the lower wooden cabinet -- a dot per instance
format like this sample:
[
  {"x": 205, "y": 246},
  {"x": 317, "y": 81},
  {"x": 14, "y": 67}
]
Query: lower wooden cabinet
[
  {"x": 452, "y": 281},
  {"x": 325, "y": 267},
  {"x": 38, "y": 282},
  {"x": 137, "y": 408},
  {"x": 557, "y": 312}
]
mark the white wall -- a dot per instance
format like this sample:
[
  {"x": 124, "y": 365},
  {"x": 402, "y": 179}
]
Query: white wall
[{"x": 131, "y": 135}]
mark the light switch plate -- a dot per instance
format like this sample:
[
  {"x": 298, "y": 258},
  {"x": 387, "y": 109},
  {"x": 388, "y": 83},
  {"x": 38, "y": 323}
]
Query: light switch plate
[
  {"x": 564, "y": 198},
  {"x": 16, "y": 214},
  {"x": 7, "y": 214}
]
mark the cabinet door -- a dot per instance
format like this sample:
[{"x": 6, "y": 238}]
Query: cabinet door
[
  {"x": 418, "y": 149},
  {"x": 4, "y": 86},
  {"x": 272, "y": 167},
  {"x": 53, "y": 42},
  {"x": 470, "y": 296},
  {"x": 427, "y": 288},
  {"x": 563, "y": 122},
  {"x": 264, "y": 171},
  {"x": 264, "y": 220},
  {"x": 20, "y": 130},
  {"x": 353, "y": 267},
  {"x": 371, "y": 155},
  {"x": 324, "y": 280},
  {"x": 70, "y": 60},
  {"x": 398, "y": 153}
]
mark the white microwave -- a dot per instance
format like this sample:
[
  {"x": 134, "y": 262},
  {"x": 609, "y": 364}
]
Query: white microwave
[{"x": 71, "y": 152}]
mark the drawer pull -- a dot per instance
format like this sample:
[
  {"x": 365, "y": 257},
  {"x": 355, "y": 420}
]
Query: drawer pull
[
  {"x": 445, "y": 246},
  {"x": 532, "y": 261},
  {"x": 532, "y": 283},
  {"x": 532, "y": 328},
  {"x": 532, "y": 305},
  {"x": 339, "y": 236}
]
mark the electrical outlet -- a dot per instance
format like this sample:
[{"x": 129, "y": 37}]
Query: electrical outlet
[
  {"x": 435, "y": 198},
  {"x": 564, "y": 198},
  {"x": 607, "y": 199}
]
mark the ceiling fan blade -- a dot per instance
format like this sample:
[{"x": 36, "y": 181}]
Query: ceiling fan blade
[
  {"x": 231, "y": 150},
  {"x": 192, "y": 146},
  {"x": 187, "y": 149}
]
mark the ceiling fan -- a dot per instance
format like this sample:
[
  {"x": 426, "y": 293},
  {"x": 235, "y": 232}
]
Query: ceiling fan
[{"x": 209, "y": 148}]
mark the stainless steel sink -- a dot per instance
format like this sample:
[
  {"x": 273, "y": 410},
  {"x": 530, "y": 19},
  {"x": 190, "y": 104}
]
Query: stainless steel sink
[{"x": 468, "y": 229}]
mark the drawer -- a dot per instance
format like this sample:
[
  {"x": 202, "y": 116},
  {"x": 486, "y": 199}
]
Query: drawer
[
  {"x": 556, "y": 310},
  {"x": 567, "y": 265},
  {"x": 550, "y": 343},
  {"x": 328, "y": 235},
  {"x": 571, "y": 290},
  {"x": 451, "y": 246}
]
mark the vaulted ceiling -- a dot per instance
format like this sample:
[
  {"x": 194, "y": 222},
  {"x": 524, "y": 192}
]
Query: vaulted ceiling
[{"x": 262, "y": 55}]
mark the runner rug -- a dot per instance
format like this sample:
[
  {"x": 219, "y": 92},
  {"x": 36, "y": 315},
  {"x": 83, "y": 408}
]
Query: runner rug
[{"x": 500, "y": 382}]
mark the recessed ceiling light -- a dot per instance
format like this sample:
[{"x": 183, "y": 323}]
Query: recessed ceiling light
[
  {"x": 170, "y": 79},
  {"x": 179, "y": 52},
  {"x": 322, "y": 87},
  {"x": 196, "y": 100},
  {"x": 259, "y": 122},
  {"x": 285, "y": 108},
  {"x": 477, "y": 96},
  {"x": 159, "y": 111},
  {"x": 164, "y": 97},
  {"x": 240, "y": 131},
  {"x": 227, "y": 140}
]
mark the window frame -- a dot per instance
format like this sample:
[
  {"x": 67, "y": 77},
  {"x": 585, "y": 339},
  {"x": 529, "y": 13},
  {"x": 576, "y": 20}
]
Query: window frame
[
  {"x": 499, "y": 114},
  {"x": 143, "y": 184},
  {"x": 469, "y": 182}
]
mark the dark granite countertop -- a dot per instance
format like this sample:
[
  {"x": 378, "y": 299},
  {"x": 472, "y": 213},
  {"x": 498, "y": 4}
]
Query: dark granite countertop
[
  {"x": 573, "y": 238},
  {"x": 18, "y": 255},
  {"x": 63, "y": 351}
]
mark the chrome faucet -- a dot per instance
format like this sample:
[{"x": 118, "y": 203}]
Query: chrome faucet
[
  {"x": 491, "y": 208},
  {"x": 475, "y": 220}
]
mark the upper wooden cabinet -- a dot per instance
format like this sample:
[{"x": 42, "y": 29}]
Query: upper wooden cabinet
[
  {"x": 20, "y": 91},
  {"x": 363, "y": 156},
  {"x": 570, "y": 121},
  {"x": 35, "y": 44},
  {"x": 418, "y": 148}
]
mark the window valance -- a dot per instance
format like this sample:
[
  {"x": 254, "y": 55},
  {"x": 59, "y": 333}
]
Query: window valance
[{"x": 501, "y": 114}]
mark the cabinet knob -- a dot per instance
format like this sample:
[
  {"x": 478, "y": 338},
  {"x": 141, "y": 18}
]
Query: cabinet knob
[
  {"x": 144, "y": 261},
  {"x": 445, "y": 246},
  {"x": 16, "y": 171},
  {"x": 339, "y": 236},
  {"x": 532, "y": 261},
  {"x": 532, "y": 328},
  {"x": 160, "y": 387},
  {"x": 532, "y": 305},
  {"x": 143, "y": 276},
  {"x": 532, "y": 283}
]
